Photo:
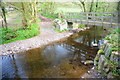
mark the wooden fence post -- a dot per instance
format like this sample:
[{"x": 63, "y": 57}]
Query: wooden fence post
[
  {"x": 93, "y": 18},
  {"x": 111, "y": 19},
  {"x": 87, "y": 17},
  {"x": 102, "y": 19}
]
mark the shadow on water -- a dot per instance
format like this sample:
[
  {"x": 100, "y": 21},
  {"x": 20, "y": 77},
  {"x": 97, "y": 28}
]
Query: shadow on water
[{"x": 57, "y": 60}]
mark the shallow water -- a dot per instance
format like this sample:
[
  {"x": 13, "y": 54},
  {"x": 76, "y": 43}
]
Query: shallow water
[{"x": 57, "y": 60}]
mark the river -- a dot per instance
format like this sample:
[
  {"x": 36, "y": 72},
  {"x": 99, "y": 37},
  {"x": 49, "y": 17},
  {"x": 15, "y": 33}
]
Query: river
[{"x": 57, "y": 60}]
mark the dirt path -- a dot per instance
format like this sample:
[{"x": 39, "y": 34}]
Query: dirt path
[
  {"x": 48, "y": 35},
  {"x": 47, "y": 28},
  {"x": 44, "y": 19},
  {"x": 13, "y": 20}
]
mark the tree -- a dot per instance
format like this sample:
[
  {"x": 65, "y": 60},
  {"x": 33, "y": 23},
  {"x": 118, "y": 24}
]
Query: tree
[
  {"x": 81, "y": 4},
  {"x": 3, "y": 14},
  {"x": 28, "y": 12},
  {"x": 91, "y": 6},
  {"x": 48, "y": 8}
]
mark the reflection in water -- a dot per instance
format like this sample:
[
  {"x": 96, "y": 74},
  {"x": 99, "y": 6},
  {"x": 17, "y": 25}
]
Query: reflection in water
[{"x": 57, "y": 60}]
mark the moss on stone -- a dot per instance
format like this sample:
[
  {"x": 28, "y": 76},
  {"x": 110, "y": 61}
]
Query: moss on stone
[{"x": 101, "y": 52}]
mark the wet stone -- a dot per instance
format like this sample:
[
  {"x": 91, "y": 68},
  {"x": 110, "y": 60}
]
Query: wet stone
[
  {"x": 88, "y": 62},
  {"x": 101, "y": 63},
  {"x": 110, "y": 75}
]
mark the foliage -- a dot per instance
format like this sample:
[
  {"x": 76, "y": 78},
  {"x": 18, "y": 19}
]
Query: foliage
[
  {"x": 47, "y": 8},
  {"x": 101, "y": 52},
  {"x": 48, "y": 16},
  {"x": 39, "y": 20},
  {"x": 115, "y": 72},
  {"x": 97, "y": 6},
  {"x": 3, "y": 12},
  {"x": 113, "y": 38},
  {"x": 28, "y": 12},
  {"x": 82, "y": 26},
  {"x": 18, "y": 33}
]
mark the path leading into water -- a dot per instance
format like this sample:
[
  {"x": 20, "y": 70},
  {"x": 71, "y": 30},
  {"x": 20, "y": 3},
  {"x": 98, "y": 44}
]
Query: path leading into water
[{"x": 48, "y": 35}]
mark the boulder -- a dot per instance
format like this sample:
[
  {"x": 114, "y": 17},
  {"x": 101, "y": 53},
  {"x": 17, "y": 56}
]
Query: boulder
[
  {"x": 110, "y": 75},
  {"x": 101, "y": 63},
  {"x": 60, "y": 24},
  {"x": 114, "y": 57},
  {"x": 99, "y": 53},
  {"x": 102, "y": 46},
  {"x": 108, "y": 52},
  {"x": 105, "y": 41}
]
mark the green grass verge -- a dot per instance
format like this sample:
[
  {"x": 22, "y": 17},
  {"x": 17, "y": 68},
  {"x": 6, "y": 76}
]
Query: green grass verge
[
  {"x": 82, "y": 26},
  {"x": 48, "y": 16},
  {"x": 18, "y": 33},
  {"x": 60, "y": 31}
]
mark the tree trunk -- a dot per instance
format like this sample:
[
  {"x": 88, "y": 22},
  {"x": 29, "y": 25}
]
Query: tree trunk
[
  {"x": 91, "y": 6},
  {"x": 24, "y": 21},
  {"x": 83, "y": 3},
  {"x": 3, "y": 15},
  {"x": 96, "y": 6},
  {"x": 2, "y": 22}
]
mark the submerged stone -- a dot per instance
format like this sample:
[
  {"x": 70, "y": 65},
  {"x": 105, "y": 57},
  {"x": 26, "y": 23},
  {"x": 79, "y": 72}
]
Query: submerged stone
[{"x": 89, "y": 62}]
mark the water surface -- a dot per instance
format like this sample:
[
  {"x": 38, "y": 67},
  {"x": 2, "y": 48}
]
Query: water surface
[{"x": 57, "y": 60}]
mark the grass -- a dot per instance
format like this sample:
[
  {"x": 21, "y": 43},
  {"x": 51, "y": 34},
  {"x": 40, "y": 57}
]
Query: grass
[
  {"x": 18, "y": 33},
  {"x": 60, "y": 31},
  {"x": 48, "y": 16},
  {"x": 67, "y": 9},
  {"x": 82, "y": 26},
  {"x": 16, "y": 21}
]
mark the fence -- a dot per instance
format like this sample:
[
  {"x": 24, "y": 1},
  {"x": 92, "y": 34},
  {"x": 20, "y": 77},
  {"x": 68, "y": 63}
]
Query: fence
[{"x": 90, "y": 18}]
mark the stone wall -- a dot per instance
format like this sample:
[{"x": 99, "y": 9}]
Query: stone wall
[{"x": 106, "y": 61}]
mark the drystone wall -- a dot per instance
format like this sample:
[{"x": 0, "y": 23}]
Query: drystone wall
[{"x": 106, "y": 61}]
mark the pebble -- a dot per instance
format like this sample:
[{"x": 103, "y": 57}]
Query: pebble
[{"x": 88, "y": 71}]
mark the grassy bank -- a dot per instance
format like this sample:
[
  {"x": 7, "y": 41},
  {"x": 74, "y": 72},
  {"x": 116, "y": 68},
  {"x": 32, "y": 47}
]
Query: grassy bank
[{"x": 18, "y": 33}]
